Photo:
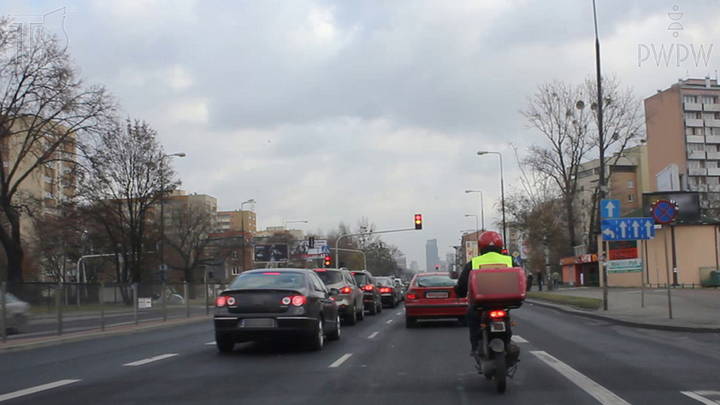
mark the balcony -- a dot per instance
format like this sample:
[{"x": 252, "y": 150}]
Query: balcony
[
  {"x": 696, "y": 154},
  {"x": 715, "y": 188},
  {"x": 697, "y": 171},
  {"x": 713, "y": 155},
  {"x": 693, "y": 107},
  {"x": 712, "y": 171},
  {"x": 694, "y": 122},
  {"x": 695, "y": 138},
  {"x": 712, "y": 138},
  {"x": 712, "y": 123},
  {"x": 711, "y": 107}
]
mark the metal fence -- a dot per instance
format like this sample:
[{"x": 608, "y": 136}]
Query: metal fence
[{"x": 43, "y": 309}]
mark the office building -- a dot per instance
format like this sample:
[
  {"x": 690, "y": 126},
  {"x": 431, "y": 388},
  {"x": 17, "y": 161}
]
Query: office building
[{"x": 431, "y": 255}]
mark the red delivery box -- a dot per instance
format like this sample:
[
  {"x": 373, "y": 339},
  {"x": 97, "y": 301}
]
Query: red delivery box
[{"x": 497, "y": 286}]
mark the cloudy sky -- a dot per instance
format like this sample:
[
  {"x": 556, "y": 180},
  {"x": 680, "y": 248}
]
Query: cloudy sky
[{"x": 329, "y": 111}]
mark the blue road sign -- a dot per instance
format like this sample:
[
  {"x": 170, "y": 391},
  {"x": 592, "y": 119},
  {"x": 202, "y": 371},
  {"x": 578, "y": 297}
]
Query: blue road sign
[
  {"x": 326, "y": 250},
  {"x": 610, "y": 208},
  {"x": 628, "y": 228}
]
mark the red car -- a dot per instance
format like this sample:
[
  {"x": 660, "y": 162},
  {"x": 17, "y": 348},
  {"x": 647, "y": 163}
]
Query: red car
[{"x": 431, "y": 296}]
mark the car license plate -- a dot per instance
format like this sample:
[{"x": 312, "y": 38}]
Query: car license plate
[
  {"x": 257, "y": 323},
  {"x": 497, "y": 327},
  {"x": 442, "y": 294}
]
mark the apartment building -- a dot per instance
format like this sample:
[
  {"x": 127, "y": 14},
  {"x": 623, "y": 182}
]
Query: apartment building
[
  {"x": 234, "y": 221},
  {"x": 683, "y": 128}
]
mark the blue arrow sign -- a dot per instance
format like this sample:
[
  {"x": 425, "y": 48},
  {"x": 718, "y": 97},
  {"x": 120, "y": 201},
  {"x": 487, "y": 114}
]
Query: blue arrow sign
[
  {"x": 628, "y": 228},
  {"x": 610, "y": 208}
]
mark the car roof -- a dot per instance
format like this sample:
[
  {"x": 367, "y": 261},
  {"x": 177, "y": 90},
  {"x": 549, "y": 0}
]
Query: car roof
[
  {"x": 433, "y": 274},
  {"x": 285, "y": 270}
]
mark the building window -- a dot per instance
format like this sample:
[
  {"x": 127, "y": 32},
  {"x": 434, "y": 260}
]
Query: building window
[
  {"x": 631, "y": 197},
  {"x": 709, "y": 99},
  {"x": 690, "y": 99},
  {"x": 693, "y": 164},
  {"x": 630, "y": 184},
  {"x": 711, "y": 164},
  {"x": 235, "y": 271},
  {"x": 693, "y": 115},
  {"x": 234, "y": 255}
]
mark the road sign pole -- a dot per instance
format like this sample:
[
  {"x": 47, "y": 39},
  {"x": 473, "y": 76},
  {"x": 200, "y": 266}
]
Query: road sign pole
[
  {"x": 674, "y": 255},
  {"x": 604, "y": 277},
  {"x": 667, "y": 267}
]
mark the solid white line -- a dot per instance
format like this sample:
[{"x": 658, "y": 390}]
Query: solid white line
[
  {"x": 389, "y": 322},
  {"x": 28, "y": 391},
  {"x": 597, "y": 391},
  {"x": 150, "y": 360},
  {"x": 340, "y": 361},
  {"x": 372, "y": 335},
  {"x": 518, "y": 339},
  {"x": 699, "y": 398},
  {"x": 210, "y": 343}
]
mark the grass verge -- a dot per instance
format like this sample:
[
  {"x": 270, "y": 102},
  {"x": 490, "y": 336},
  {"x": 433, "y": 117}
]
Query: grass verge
[{"x": 578, "y": 302}]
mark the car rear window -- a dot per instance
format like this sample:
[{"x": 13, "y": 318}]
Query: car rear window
[
  {"x": 435, "y": 281},
  {"x": 385, "y": 282},
  {"x": 361, "y": 278},
  {"x": 330, "y": 276},
  {"x": 268, "y": 280}
]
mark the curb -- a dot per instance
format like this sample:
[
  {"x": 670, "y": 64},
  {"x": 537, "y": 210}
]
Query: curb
[
  {"x": 622, "y": 322},
  {"x": 12, "y": 347}
]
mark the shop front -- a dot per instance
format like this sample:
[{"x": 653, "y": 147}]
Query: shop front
[{"x": 580, "y": 270}]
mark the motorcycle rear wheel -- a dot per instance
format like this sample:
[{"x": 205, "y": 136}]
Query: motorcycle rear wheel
[{"x": 500, "y": 376}]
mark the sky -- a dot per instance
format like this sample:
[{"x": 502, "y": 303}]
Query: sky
[{"x": 330, "y": 111}]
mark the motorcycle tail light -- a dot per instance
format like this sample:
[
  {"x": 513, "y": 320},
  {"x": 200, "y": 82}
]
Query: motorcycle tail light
[{"x": 497, "y": 314}]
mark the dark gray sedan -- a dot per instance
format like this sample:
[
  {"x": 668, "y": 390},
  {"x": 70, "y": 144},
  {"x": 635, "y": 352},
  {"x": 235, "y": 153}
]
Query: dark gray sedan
[{"x": 276, "y": 304}]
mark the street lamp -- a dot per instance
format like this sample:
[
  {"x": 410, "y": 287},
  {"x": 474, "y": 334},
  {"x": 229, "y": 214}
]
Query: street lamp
[
  {"x": 242, "y": 228},
  {"x": 482, "y": 209},
  {"x": 477, "y": 230},
  {"x": 163, "y": 268},
  {"x": 502, "y": 190},
  {"x": 293, "y": 222}
]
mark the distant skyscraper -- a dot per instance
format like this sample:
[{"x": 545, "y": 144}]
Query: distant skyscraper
[
  {"x": 431, "y": 255},
  {"x": 414, "y": 266}
]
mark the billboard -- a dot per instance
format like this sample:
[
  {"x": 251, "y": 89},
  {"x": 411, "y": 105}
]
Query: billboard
[
  {"x": 623, "y": 250},
  {"x": 688, "y": 204},
  {"x": 270, "y": 253}
]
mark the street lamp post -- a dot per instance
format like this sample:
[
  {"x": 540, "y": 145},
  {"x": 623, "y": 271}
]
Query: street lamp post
[
  {"x": 482, "y": 207},
  {"x": 477, "y": 230},
  {"x": 502, "y": 191},
  {"x": 242, "y": 228},
  {"x": 163, "y": 268}
]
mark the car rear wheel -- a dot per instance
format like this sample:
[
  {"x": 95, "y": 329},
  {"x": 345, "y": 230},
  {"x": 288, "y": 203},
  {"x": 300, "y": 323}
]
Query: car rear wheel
[
  {"x": 225, "y": 343},
  {"x": 410, "y": 322},
  {"x": 374, "y": 310},
  {"x": 352, "y": 318},
  {"x": 361, "y": 314},
  {"x": 380, "y": 308},
  {"x": 317, "y": 341},
  {"x": 335, "y": 334}
]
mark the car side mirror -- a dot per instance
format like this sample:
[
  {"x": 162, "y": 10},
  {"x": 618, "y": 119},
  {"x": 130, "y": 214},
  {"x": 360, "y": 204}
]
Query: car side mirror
[
  {"x": 334, "y": 291},
  {"x": 454, "y": 275}
]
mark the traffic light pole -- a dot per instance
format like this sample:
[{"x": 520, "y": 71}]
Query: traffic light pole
[
  {"x": 337, "y": 242},
  {"x": 355, "y": 251}
]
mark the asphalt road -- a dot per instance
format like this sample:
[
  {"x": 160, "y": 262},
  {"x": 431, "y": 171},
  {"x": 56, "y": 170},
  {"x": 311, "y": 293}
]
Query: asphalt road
[{"x": 565, "y": 360}]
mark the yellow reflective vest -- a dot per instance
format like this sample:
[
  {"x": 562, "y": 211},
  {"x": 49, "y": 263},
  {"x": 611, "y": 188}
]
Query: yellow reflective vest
[{"x": 491, "y": 258}]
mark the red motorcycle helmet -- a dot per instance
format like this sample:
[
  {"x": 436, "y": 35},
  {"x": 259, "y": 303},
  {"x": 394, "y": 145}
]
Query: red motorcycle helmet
[{"x": 490, "y": 238}]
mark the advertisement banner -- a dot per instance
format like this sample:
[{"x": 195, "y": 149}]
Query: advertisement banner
[
  {"x": 270, "y": 253},
  {"x": 623, "y": 250},
  {"x": 625, "y": 266}
]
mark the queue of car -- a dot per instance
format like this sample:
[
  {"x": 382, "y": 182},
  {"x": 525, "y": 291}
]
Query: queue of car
[{"x": 311, "y": 305}]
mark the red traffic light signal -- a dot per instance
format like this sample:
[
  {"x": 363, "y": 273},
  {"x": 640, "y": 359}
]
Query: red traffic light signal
[
  {"x": 327, "y": 261},
  {"x": 418, "y": 221},
  {"x": 505, "y": 251}
]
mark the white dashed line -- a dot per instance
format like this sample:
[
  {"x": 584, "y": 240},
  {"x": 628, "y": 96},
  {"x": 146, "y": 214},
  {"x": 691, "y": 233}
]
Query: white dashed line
[
  {"x": 399, "y": 313},
  {"x": 698, "y": 396},
  {"x": 28, "y": 391},
  {"x": 518, "y": 339},
  {"x": 210, "y": 343},
  {"x": 597, "y": 391},
  {"x": 372, "y": 335},
  {"x": 389, "y": 322},
  {"x": 341, "y": 360},
  {"x": 150, "y": 360}
]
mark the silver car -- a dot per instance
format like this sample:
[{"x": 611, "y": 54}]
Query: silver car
[
  {"x": 18, "y": 313},
  {"x": 350, "y": 299}
]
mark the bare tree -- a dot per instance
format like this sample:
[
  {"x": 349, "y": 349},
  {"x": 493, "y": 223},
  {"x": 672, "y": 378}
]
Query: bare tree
[
  {"x": 187, "y": 237},
  {"x": 123, "y": 182},
  {"x": 46, "y": 111},
  {"x": 58, "y": 240},
  {"x": 554, "y": 111}
]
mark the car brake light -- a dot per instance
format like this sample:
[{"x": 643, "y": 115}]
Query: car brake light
[
  {"x": 385, "y": 290},
  {"x": 497, "y": 314},
  {"x": 271, "y": 273},
  {"x": 411, "y": 296},
  {"x": 298, "y": 300},
  {"x": 320, "y": 270},
  {"x": 346, "y": 290},
  {"x": 369, "y": 287},
  {"x": 221, "y": 301}
]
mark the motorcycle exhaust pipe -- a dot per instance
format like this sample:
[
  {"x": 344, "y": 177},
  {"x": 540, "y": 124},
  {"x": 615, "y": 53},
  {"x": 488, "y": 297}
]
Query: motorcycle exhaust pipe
[{"x": 513, "y": 351}]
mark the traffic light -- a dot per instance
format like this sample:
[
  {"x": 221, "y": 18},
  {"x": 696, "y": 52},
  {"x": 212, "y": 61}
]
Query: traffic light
[
  {"x": 311, "y": 242},
  {"x": 418, "y": 221},
  {"x": 327, "y": 261},
  {"x": 505, "y": 251},
  {"x": 437, "y": 267}
]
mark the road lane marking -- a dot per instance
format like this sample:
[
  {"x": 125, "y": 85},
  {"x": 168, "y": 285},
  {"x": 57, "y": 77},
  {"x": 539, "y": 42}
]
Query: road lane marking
[
  {"x": 389, "y": 322},
  {"x": 597, "y": 391},
  {"x": 518, "y": 339},
  {"x": 28, "y": 391},
  {"x": 696, "y": 395},
  {"x": 399, "y": 313},
  {"x": 372, "y": 335},
  {"x": 150, "y": 360},
  {"x": 341, "y": 360},
  {"x": 210, "y": 343}
]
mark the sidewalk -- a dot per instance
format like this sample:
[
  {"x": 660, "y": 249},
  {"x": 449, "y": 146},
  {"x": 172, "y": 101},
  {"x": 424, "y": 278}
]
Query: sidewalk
[{"x": 695, "y": 310}]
